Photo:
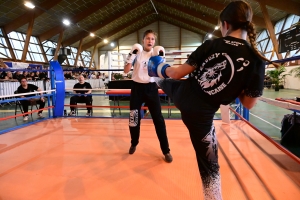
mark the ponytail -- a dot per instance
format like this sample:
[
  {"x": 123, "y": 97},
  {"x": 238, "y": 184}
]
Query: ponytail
[{"x": 252, "y": 38}]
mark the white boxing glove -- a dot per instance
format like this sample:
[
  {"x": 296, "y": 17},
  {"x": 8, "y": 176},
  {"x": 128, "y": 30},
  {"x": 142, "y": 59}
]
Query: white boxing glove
[
  {"x": 159, "y": 51},
  {"x": 135, "y": 50}
]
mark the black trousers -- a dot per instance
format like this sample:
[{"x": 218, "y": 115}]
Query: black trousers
[
  {"x": 148, "y": 93},
  {"x": 81, "y": 99},
  {"x": 198, "y": 116},
  {"x": 26, "y": 103}
]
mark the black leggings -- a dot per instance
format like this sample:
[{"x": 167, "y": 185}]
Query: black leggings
[
  {"x": 197, "y": 115},
  {"x": 148, "y": 93}
]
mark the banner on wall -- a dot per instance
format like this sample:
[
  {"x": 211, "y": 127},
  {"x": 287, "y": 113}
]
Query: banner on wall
[
  {"x": 19, "y": 65},
  {"x": 22, "y": 65}
]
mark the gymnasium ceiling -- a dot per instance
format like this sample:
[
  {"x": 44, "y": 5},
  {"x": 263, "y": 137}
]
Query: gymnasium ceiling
[{"x": 114, "y": 19}]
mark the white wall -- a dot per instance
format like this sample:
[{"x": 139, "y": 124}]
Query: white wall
[
  {"x": 176, "y": 41},
  {"x": 290, "y": 81}
]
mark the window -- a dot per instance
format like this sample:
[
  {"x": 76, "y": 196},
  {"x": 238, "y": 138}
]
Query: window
[
  {"x": 72, "y": 57},
  {"x": 86, "y": 56},
  {"x": 4, "y": 51},
  {"x": 49, "y": 48},
  {"x": 17, "y": 41},
  {"x": 265, "y": 44}
]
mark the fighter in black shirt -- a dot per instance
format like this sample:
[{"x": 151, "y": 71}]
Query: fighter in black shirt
[{"x": 222, "y": 70}]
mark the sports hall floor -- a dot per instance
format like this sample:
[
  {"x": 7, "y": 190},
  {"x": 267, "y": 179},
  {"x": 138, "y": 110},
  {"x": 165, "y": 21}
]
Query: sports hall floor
[
  {"x": 87, "y": 158},
  {"x": 264, "y": 116}
]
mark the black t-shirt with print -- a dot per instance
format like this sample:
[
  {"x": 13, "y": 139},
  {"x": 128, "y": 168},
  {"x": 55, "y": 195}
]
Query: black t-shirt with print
[
  {"x": 30, "y": 88},
  {"x": 224, "y": 68},
  {"x": 82, "y": 86}
]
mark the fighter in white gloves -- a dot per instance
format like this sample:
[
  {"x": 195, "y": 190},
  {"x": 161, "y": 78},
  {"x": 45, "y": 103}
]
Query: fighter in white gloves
[{"x": 135, "y": 50}]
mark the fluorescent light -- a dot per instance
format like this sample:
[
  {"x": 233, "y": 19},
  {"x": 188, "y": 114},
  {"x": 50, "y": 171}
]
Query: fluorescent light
[
  {"x": 105, "y": 41},
  {"x": 66, "y": 22},
  {"x": 29, "y": 4},
  {"x": 92, "y": 34}
]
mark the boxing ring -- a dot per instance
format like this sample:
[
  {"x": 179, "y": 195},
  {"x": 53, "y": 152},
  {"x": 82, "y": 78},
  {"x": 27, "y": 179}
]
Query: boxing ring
[{"x": 63, "y": 157}]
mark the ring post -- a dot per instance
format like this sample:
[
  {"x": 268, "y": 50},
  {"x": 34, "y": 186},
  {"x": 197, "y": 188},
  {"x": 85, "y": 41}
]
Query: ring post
[
  {"x": 57, "y": 83},
  {"x": 238, "y": 110},
  {"x": 246, "y": 113}
]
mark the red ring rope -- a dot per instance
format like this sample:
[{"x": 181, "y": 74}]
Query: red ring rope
[
  {"x": 22, "y": 114},
  {"x": 268, "y": 138}
]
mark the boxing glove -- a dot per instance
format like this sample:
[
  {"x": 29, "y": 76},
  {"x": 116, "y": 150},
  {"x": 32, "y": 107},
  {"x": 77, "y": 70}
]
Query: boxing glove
[
  {"x": 135, "y": 50},
  {"x": 159, "y": 51},
  {"x": 157, "y": 67}
]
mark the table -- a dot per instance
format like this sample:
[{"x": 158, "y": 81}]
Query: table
[{"x": 126, "y": 92}]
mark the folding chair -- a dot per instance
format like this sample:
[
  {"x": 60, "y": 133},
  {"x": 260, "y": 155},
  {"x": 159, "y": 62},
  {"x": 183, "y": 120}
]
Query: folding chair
[
  {"x": 81, "y": 102},
  {"x": 18, "y": 104}
]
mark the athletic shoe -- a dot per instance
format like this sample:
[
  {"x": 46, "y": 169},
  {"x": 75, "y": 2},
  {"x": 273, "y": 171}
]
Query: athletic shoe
[
  {"x": 168, "y": 157},
  {"x": 72, "y": 113},
  {"x": 25, "y": 118},
  {"x": 132, "y": 149},
  {"x": 88, "y": 114},
  {"x": 40, "y": 116}
]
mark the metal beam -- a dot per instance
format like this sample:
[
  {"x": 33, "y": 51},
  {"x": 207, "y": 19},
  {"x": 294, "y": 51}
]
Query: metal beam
[
  {"x": 75, "y": 19},
  {"x": 192, "y": 23},
  {"x": 78, "y": 51},
  {"x": 120, "y": 28},
  {"x": 93, "y": 54},
  {"x": 42, "y": 50},
  {"x": 82, "y": 60},
  {"x": 137, "y": 29},
  {"x": 123, "y": 35},
  {"x": 58, "y": 45},
  {"x": 11, "y": 51},
  {"x": 270, "y": 28},
  {"x": 219, "y": 7},
  {"x": 289, "y": 6},
  {"x": 186, "y": 28},
  {"x": 83, "y": 34},
  {"x": 189, "y": 11},
  {"x": 211, "y": 4},
  {"x": 25, "y": 18},
  {"x": 28, "y": 35}
]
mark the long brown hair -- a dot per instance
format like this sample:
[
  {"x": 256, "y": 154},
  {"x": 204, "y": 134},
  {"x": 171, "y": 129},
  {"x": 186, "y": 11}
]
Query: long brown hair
[{"x": 239, "y": 14}]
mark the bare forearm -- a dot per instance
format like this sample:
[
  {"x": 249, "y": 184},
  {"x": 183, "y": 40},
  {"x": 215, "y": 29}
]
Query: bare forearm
[
  {"x": 177, "y": 72},
  {"x": 172, "y": 72},
  {"x": 247, "y": 102},
  {"x": 127, "y": 67}
]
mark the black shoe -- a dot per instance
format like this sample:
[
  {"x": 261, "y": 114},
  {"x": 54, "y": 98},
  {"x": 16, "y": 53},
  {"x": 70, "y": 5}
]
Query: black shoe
[
  {"x": 168, "y": 158},
  {"x": 132, "y": 149}
]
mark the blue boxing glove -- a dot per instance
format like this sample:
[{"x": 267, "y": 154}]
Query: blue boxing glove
[{"x": 157, "y": 67}]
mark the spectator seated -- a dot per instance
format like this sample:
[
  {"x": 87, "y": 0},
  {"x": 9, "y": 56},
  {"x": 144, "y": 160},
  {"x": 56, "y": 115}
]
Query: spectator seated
[
  {"x": 81, "y": 96},
  {"x": 28, "y": 88}
]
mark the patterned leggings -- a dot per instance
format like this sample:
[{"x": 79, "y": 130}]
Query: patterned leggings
[{"x": 197, "y": 115}]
